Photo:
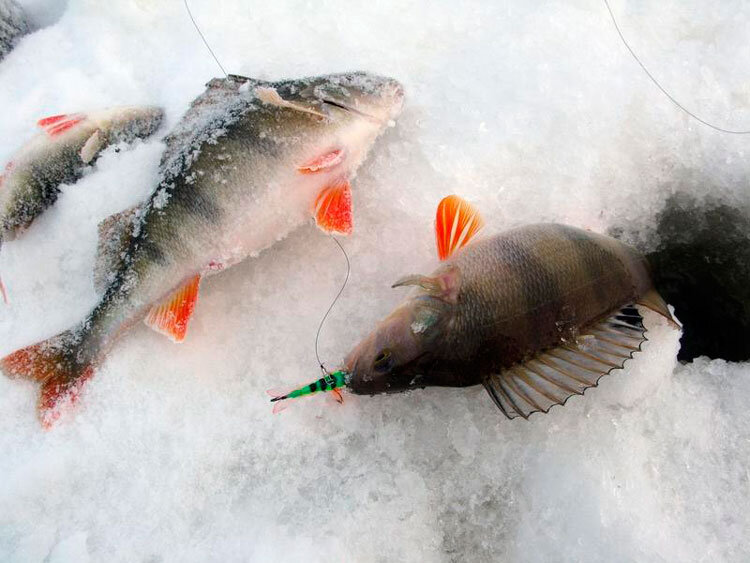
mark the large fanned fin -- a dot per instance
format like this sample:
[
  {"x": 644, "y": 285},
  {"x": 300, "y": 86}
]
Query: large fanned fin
[
  {"x": 553, "y": 376},
  {"x": 171, "y": 316},
  {"x": 114, "y": 233},
  {"x": 456, "y": 223}
]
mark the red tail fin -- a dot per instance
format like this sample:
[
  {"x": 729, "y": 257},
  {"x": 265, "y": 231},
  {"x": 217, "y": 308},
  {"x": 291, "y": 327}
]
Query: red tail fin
[{"x": 53, "y": 363}]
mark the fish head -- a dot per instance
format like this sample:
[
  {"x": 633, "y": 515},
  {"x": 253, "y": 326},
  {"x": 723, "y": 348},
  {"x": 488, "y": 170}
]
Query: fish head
[
  {"x": 346, "y": 97},
  {"x": 395, "y": 357},
  {"x": 125, "y": 124},
  {"x": 336, "y": 118}
]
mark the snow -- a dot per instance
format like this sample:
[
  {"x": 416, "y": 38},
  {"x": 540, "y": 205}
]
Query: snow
[{"x": 532, "y": 111}]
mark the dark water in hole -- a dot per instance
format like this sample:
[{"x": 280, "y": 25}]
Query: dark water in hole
[{"x": 700, "y": 256}]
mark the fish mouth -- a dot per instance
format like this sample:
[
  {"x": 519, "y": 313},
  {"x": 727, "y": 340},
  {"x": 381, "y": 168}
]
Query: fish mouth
[
  {"x": 354, "y": 110},
  {"x": 392, "y": 96}
]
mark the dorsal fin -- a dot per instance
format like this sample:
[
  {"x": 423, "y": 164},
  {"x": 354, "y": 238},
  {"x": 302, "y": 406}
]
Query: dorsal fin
[
  {"x": 456, "y": 223},
  {"x": 114, "y": 233}
]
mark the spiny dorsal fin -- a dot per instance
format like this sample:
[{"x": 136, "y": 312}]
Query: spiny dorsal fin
[
  {"x": 555, "y": 375},
  {"x": 456, "y": 222},
  {"x": 333, "y": 207},
  {"x": 114, "y": 234},
  {"x": 171, "y": 316}
]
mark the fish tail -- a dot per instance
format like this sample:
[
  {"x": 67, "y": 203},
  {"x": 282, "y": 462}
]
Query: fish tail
[{"x": 56, "y": 364}]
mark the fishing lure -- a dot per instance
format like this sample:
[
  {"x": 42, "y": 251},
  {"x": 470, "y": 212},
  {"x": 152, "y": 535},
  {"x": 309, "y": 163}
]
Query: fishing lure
[{"x": 332, "y": 381}]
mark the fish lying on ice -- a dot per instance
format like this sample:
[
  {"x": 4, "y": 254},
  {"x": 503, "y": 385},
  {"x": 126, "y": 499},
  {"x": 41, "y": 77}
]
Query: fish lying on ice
[
  {"x": 59, "y": 155},
  {"x": 248, "y": 163},
  {"x": 536, "y": 314}
]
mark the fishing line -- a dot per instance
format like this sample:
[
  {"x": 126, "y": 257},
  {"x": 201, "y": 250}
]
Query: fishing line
[
  {"x": 323, "y": 320},
  {"x": 659, "y": 86},
  {"x": 346, "y": 256},
  {"x": 204, "y": 39}
]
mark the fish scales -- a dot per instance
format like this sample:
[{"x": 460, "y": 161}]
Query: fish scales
[
  {"x": 244, "y": 167},
  {"x": 532, "y": 288},
  {"x": 536, "y": 314}
]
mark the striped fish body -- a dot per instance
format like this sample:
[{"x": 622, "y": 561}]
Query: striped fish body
[
  {"x": 237, "y": 192},
  {"x": 498, "y": 303},
  {"x": 13, "y": 25},
  {"x": 30, "y": 182},
  {"x": 536, "y": 287},
  {"x": 245, "y": 166}
]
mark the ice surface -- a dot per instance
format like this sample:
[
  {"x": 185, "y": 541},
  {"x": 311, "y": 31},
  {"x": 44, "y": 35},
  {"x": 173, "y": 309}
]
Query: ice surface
[{"x": 534, "y": 111}]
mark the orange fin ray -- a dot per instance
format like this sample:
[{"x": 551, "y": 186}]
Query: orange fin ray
[
  {"x": 51, "y": 120},
  {"x": 56, "y": 124},
  {"x": 456, "y": 223},
  {"x": 333, "y": 208},
  {"x": 3, "y": 291},
  {"x": 171, "y": 316}
]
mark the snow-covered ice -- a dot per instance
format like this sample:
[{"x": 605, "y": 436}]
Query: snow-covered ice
[{"x": 534, "y": 111}]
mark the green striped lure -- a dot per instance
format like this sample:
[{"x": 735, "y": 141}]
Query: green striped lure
[{"x": 329, "y": 382}]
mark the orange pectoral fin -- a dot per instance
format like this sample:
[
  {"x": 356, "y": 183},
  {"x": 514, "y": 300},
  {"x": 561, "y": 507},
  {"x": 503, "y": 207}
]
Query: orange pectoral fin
[
  {"x": 333, "y": 208},
  {"x": 456, "y": 223},
  {"x": 322, "y": 162},
  {"x": 171, "y": 316}
]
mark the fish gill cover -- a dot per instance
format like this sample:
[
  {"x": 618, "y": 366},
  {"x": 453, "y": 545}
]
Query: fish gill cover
[{"x": 534, "y": 112}]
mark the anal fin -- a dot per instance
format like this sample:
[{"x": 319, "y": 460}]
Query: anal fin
[
  {"x": 171, "y": 316},
  {"x": 556, "y": 374}
]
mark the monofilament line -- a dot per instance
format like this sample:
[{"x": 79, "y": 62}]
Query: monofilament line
[
  {"x": 204, "y": 39},
  {"x": 659, "y": 86},
  {"x": 323, "y": 320}
]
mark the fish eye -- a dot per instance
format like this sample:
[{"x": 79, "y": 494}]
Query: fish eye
[{"x": 383, "y": 360}]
